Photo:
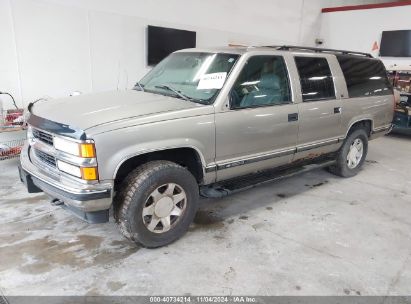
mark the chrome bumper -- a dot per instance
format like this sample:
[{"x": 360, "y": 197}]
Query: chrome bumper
[{"x": 83, "y": 197}]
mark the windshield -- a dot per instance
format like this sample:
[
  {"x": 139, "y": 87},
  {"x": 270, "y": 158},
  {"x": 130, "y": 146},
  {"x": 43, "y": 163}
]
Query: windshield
[{"x": 192, "y": 76}]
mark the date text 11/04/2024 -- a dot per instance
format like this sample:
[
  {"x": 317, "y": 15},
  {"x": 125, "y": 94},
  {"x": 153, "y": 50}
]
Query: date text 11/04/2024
[{"x": 203, "y": 299}]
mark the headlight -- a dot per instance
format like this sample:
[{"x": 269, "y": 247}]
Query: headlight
[
  {"x": 86, "y": 173},
  {"x": 71, "y": 147},
  {"x": 68, "y": 168},
  {"x": 85, "y": 150}
]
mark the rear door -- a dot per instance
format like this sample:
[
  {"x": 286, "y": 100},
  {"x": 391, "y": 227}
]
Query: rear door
[{"x": 320, "y": 110}]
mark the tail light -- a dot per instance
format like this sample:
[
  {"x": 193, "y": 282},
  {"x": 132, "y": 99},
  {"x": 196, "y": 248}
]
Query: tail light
[{"x": 397, "y": 98}]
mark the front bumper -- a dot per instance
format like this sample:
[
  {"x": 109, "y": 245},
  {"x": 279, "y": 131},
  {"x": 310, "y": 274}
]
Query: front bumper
[{"x": 78, "y": 197}]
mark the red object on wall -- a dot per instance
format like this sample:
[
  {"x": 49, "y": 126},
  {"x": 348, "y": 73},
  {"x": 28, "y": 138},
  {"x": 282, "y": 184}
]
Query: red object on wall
[{"x": 365, "y": 6}]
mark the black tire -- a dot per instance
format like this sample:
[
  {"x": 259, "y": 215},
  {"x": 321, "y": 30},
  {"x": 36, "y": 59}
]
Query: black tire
[
  {"x": 134, "y": 193},
  {"x": 341, "y": 167}
]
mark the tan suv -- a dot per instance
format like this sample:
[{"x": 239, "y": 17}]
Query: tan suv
[{"x": 204, "y": 122}]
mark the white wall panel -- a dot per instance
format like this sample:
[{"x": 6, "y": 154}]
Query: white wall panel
[
  {"x": 106, "y": 47},
  {"x": 9, "y": 72},
  {"x": 54, "y": 47},
  {"x": 261, "y": 18},
  {"x": 358, "y": 30}
]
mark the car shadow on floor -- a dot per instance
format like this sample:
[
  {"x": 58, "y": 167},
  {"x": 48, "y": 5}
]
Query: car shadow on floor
[
  {"x": 400, "y": 134},
  {"x": 213, "y": 213}
]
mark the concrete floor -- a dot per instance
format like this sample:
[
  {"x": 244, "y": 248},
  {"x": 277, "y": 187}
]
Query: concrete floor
[{"x": 314, "y": 234}]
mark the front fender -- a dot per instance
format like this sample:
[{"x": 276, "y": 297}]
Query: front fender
[{"x": 115, "y": 147}]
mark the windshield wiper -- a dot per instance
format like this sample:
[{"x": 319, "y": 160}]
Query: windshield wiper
[
  {"x": 167, "y": 87},
  {"x": 140, "y": 86}
]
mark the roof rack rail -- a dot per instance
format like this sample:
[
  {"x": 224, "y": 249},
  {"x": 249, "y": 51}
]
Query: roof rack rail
[{"x": 317, "y": 50}]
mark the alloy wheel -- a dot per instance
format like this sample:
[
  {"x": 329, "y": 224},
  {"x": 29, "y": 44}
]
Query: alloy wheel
[
  {"x": 164, "y": 208},
  {"x": 355, "y": 153}
]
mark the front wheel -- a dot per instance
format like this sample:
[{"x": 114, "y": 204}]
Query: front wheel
[
  {"x": 159, "y": 202},
  {"x": 352, "y": 154}
]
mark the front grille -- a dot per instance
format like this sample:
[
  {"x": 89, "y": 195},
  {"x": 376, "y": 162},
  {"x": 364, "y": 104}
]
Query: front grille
[
  {"x": 43, "y": 136},
  {"x": 45, "y": 158}
]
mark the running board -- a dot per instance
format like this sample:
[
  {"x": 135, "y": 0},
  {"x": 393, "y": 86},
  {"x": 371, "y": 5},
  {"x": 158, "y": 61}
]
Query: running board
[{"x": 227, "y": 187}]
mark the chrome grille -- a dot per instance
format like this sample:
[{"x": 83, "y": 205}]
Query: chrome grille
[
  {"x": 43, "y": 136},
  {"x": 45, "y": 158}
]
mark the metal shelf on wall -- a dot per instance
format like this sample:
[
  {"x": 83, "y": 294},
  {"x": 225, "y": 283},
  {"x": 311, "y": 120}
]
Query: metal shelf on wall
[
  {"x": 11, "y": 149},
  {"x": 12, "y": 135}
]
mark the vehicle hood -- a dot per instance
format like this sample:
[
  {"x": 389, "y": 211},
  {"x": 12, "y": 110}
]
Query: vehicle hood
[{"x": 89, "y": 110}]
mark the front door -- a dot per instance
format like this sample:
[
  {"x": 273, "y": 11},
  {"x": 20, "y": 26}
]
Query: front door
[{"x": 260, "y": 129}]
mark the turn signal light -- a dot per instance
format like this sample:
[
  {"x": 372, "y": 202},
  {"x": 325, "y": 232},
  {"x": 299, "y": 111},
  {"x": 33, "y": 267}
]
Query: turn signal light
[
  {"x": 87, "y": 150},
  {"x": 89, "y": 173}
]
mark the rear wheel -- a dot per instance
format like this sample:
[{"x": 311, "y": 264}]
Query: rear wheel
[
  {"x": 158, "y": 203},
  {"x": 352, "y": 154}
]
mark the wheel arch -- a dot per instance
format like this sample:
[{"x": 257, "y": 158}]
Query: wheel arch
[
  {"x": 366, "y": 123},
  {"x": 187, "y": 156}
]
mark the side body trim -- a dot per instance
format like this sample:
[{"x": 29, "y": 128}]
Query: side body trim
[
  {"x": 319, "y": 144},
  {"x": 382, "y": 129},
  {"x": 249, "y": 160}
]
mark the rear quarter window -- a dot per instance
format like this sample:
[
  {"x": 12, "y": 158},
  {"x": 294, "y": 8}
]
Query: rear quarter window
[{"x": 364, "y": 76}]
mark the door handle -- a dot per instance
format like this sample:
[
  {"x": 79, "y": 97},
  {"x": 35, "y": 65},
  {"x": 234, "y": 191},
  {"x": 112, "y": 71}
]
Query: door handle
[
  {"x": 293, "y": 117},
  {"x": 337, "y": 110}
]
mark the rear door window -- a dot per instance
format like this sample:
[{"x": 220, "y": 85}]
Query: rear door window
[
  {"x": 364, "y": 76},
  {"x": 315, "y": 78}
]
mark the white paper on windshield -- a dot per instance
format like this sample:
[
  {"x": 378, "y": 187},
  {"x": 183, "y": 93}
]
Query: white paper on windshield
[{"x": 212, "y": 81}]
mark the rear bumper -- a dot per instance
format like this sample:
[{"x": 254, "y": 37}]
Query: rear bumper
[
  {"x": 402, "y": 120},
  {"x": 402, "y": 130},
  {"x": 78, "y": 197}
]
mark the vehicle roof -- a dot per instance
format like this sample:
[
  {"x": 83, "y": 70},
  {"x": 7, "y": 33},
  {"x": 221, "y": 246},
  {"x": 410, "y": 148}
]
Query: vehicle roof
[
  {"x": 227, "y": 49},
  {"x": 240, "y": 50}
]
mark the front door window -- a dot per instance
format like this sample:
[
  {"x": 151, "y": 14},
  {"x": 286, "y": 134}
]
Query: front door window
[{"x": 262, "y": 82}]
